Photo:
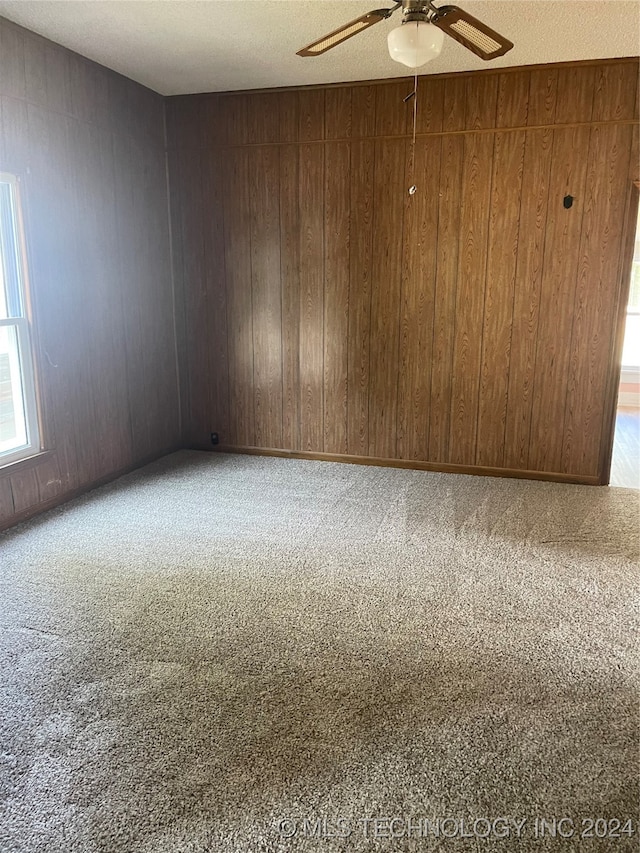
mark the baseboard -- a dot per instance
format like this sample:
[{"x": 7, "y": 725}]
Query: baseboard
[
  {"x": 440, "y": 467},
  {"x": 59, "y": 500}
]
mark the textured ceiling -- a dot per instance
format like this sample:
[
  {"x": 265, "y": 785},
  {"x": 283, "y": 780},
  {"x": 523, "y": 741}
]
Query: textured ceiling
[{"x": 179, "y": 46}]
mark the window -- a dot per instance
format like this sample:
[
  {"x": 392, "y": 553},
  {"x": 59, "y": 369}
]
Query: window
[
  {"x": 631, "y": 351},
  {"x": 19, "y": 433}
]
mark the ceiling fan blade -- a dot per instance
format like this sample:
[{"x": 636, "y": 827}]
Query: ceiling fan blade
[
  {"x": 471, "y": 33},
  {"x": 345, "y": 32}
]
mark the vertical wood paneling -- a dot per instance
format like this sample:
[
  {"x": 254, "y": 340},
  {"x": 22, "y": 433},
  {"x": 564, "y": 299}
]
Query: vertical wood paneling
[
  {"x": 420, "y": 235},
  {"x": 454, "y": 104},
  {"x": 512, "y": 108},
  {"x": 289, "y": 108},
  {"x": 360, "y": 283},
  {"x": 472, "y": 261},
  {"x": 363, "y": 111},
  {"x": 311, "y": 205},
  {"x": 575, "y": 91},
  {"x": 233, "y": 119},
  {"x": 88, "y": 147},
  {"x": 196, "y": 412},
  {"x": 264, "y": 181},
  {"x": 311, "y": 115},
  {"x": 563, "y": 231},
  {"x": 336, "y": 296},
  {"x": 7, "y": 510},
  {"x": 430, "y": 112},
  {"x": 24, "y": 487},
  {"x": 263, "y": 118},
  {"x": 290, "y": 299},
  {"x": 337, "y": 107},
  {"x": 237, "y": 240},
  {"x": 393, "y": 113},
  {"x": 504, "y": 218},
  {"x": 444, "y": 322},
  {"x": 614, "y": 96},
  {"x": 595, "y": 303},
  {"x": 438, "y": 327},
  {"x": 526, "y": 306},
  {"x": 216, "y": 319},
  {"x": 543, "y": 92},
  {"x": 481, "y": 95},
  {"x": 389, "y": 196}
]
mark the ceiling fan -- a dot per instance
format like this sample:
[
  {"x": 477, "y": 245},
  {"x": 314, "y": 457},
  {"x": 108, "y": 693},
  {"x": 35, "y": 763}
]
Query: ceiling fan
[{"x": 420, "y": 36}]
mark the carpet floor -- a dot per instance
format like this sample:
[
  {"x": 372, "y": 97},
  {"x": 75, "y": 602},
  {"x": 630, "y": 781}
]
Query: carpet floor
[{"x": 227, "y": 653}]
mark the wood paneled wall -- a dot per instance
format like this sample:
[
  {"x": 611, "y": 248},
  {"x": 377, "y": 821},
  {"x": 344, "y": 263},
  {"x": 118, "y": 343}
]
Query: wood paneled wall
[
  {"x": 471, "y": 326},
  {"x": 88, "y": 147}
]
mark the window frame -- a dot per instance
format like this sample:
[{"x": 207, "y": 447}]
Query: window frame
[{"x": 23, "y": 324}]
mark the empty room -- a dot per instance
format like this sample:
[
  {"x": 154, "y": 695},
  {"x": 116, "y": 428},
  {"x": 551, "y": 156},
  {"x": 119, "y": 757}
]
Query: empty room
[{"x": 319, "y": 426}]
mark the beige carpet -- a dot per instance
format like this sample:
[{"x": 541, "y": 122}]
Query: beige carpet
[{"x": 225, "y": 653}]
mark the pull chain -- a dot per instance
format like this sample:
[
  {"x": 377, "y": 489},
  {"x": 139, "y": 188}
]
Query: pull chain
[{"x": 412, "y": 160}]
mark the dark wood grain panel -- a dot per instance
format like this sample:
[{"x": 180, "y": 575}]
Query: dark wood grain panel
[
  {"x": 393, "y": 113},
  {"x": 614, "y": 96},
  {"x": 211, "y": 130},
  {"x": 420, "y": 327},
  {"x": 263, "y": 117},
  {"x": 232, "y": 110},
  {"x": 47, "y": 228},
  {"x": 290, "y": 299},
  {"x": 563, "y": 230},
  {"x": 24, "y": 487},
  {"x": 389, "y": 196},
  {"x": 112, "y": 435},
  {"x": 15, "y": 122},
  {"x": 12, "y": 49},
  {"x": 196, "y": 405},
  {"x": 481, "y": 95},
  {"x": 526, "y": 306},
  {"x": 216, "y": 316},
  {"x": 260, "y": 277},
  {"x": 594, "y": 309},
  {"x": 337, "y": 106},
  {"x": 472, "y": 260},
  {"x": 289, "y": 110},
  {"x": 237, "y": 240},
  {"x": 430, "y": 112},
  {"x": 49, "y": 480},
  {"x": 311, "y": 115},
  {"x": 512, "y": 108},
  {"x": 35, "y": 69},
  {"x": 504, "y": 222},
  {"x": 76, "y": 273},
  {"x": 420, "y": 236},
  {"x": 176, "y": 201},
  {"x": 575, "y": 90},
  {"x": 361, "y": 272},
  {"x": 363, "y": 111},
  {"x": 444, "y": 322},
  {"x": 7, "y": 509},
  {"x": 311, "y": 206},
  {"x": 543, "y": 93},
  {"x": 58, "y": 89},
  {"x": 264, "y": 182},
  {"x": 634, "y": 165},
  {"x": 454, "y": 103},
  {"x": 336, "y": 296}
]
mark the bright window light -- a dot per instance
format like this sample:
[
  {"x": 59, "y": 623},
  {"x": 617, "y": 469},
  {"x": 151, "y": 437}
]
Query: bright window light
[{"x": 19, "y": 432}]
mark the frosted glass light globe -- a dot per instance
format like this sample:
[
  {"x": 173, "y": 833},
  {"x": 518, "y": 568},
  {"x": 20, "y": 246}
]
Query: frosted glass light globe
[{"x": 415, "y": 43}]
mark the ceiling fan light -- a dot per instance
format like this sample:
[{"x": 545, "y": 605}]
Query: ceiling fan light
[{"x": 414, "y": 43}]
